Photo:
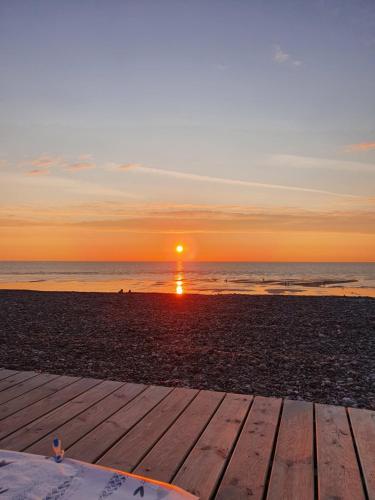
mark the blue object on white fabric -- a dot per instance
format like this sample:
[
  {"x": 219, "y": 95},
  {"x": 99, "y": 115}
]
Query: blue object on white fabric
[
  {"x": 57, "y": 449},
  {"x": 32, "y": 477}
]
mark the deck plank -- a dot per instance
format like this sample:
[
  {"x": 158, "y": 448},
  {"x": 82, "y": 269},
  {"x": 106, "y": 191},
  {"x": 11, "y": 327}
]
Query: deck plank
[
  {"x": 200, "y": 473},
  {"x": 37, "y": 429},
  {"x": 292, "y": 475},
  {"x": 166, "y": 457},
  {"x": 86, "y": 421},
  {"x": 50, "y": 403},
  {"x": 363, "y": 425},
  {"x": 216, "y": 445},
  {"x": 15, "y": 379},
  {"x": 130, "y": 450},
  {"x": 4, "y": 373},
  {"x": 338, "y": 471},
  {"x": 248, "y": 467},
  {"x": 31, "y": 397},
  {"x": 25, "y": 386},
  {"x": 97, "y": 442}
]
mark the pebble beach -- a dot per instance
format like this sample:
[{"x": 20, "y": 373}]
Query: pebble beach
[{"x": 319, "y": 349}]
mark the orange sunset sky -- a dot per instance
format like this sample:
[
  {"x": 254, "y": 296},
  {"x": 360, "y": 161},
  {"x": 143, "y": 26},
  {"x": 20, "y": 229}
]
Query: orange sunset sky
[{"x": 207, "y": 233}]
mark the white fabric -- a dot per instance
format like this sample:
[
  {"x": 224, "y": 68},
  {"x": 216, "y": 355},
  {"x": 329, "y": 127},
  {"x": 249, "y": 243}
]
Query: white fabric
[{"x": 32, "y": 477}]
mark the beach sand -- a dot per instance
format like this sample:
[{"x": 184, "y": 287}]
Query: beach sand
[{"x": 318, "y": 349}]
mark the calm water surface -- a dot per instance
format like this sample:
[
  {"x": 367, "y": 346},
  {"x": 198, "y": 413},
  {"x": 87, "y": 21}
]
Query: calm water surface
[{"x": 193, "y": 277}]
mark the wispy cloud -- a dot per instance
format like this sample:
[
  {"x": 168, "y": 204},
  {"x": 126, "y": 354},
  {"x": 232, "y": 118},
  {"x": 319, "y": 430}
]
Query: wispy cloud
[
  {"x": 282, "y": 57},
  {"x": 45, "y": 163},
  {"x": 233, "y": 182},
  {"x": 296, "y": 161},
  {"x": 129, "y": 166},
  {"x": 38, "y": 171},
  {"x": 190, "y": 219},
  {"x": 82, "y": 165},
  {"x": 362, "y": 146},
  {"x": 58, "y": 186},
  {"x": 86, "y": 156}
]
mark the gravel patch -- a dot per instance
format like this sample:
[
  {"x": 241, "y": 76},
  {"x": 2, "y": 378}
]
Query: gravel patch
[{"x": 319, "y": 349}]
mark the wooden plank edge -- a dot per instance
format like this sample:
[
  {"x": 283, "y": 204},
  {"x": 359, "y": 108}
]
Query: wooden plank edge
[
  {"x": 357, "y": 454},
  {"x": 74, "y": 416},
  {"x": 136, "y": 423},
  {"x": 199, "y": 436},
  {"x": 167, "y": 429},
  {"x": 234, "y": 443}
]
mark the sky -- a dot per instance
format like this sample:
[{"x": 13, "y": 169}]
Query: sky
[{"x": 244, "y": 130}]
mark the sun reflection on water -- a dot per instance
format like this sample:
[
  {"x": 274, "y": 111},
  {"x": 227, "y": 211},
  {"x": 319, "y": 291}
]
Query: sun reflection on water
[
  {"x": 179, "y": 287},
  {"x": 179, "y": 278}
]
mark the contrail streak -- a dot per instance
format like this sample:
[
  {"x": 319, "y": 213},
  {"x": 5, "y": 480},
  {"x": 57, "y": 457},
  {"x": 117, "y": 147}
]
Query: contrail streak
[{"x": 236, "y": 182}]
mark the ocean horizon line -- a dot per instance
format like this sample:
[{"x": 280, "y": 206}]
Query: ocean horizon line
[{"x": 186, "y": 261}]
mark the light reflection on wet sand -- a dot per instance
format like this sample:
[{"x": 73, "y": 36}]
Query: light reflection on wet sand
[
  {"x": 181, "y": 278},
  {"x": 179, "y": 285}
]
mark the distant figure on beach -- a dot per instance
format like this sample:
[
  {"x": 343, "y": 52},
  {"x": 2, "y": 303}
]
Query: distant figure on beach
[
  {"x": 129, "y": 291},
  {"x": 121, "y": 291}
]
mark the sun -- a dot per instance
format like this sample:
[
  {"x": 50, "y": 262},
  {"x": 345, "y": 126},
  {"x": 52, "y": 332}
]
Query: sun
[{"x": 179, "y": 248}]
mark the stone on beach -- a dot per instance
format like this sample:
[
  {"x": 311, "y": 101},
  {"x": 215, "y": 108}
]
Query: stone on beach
[{"x": 320, "y": 349}]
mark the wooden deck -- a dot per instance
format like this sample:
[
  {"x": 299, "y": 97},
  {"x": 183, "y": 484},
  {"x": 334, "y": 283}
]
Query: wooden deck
[{"x": 216, "y": 445}]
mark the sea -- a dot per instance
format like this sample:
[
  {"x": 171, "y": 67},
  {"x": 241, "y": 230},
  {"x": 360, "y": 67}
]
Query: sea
[{"x": 179, "y": 277}]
